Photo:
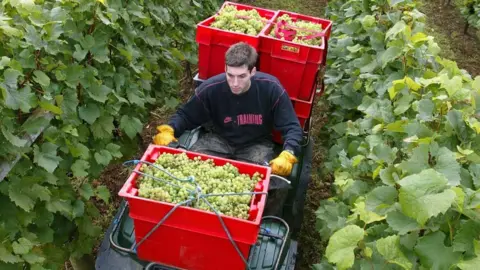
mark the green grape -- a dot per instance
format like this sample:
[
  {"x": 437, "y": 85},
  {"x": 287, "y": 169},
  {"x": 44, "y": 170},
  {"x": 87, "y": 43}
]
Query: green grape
[
  {"x": 212, "y": 179},
  {"x": 241, "y": 21}
]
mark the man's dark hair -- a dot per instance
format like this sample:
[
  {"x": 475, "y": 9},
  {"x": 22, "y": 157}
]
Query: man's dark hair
[{"x": 240, "y": 54}]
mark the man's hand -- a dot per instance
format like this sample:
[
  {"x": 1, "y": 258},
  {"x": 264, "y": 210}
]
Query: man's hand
[
  {"x": 282, "y": 165},
  {"x": 165, "y": 135}
]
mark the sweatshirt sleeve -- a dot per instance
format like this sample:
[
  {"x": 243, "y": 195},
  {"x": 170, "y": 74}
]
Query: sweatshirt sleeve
[
  {"x": 190, "y": 115},
  {"x": 286, "y": 121}
]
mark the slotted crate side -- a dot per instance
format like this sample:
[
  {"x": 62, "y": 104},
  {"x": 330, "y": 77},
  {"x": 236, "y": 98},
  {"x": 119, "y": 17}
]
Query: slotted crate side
[{"x": 191, "y": 250}]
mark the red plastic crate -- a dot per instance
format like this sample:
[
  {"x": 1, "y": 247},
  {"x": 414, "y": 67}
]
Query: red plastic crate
[
  {"x": 303, "y": 110},
  {"x": 192, "y": 233},
  {"x": 189, "y": 250},
  {"x": 213, "y": 43},
  {"x": 295, "y": 65}
]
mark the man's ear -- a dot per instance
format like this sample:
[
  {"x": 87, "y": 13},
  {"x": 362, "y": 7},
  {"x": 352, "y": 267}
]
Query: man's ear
[{"x": 254, "y": 70}]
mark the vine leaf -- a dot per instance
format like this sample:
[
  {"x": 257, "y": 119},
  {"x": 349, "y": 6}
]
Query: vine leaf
[
  {"x": 424, "y": 195},
  {"x": 7, "y": 256},
  {"x": 103, "y": 157},
  {"x": 46, "y": 156},
  {"x": 20, "y": 198},
  {"x": 22, "y": 246},
  {"x": 14, "y": 140},
  {"x": 80, "y": 167},
  {"x": 103, "y": 193},
  {"x": 41, "y": 78},
  {"x": 131, "y": 125},
  {"x": 89, "y": 112},
  {"x": 434, "y": 254},
  {"x": 389, "y": 247},
  {"x": 472, "y": 264},
  {"x": 342, "y": 244}
]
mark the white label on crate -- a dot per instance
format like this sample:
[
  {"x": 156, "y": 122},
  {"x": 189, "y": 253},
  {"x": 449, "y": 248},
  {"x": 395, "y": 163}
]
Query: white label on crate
[{"x": 290, "y": 48}]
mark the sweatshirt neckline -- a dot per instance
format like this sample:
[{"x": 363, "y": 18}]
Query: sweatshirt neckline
[{"x": 244, "y": 94}]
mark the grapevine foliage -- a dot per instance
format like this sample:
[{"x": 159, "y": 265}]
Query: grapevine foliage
[
  {"x": 404, "y": 145},
  {"x": 98, "y": 67},
  {"x": 470, "y": 10}
]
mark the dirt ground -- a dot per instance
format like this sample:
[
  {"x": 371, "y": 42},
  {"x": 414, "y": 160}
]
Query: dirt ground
[
  {"x": 446, "y": 24},
  {"x": 311, "y": 246}
]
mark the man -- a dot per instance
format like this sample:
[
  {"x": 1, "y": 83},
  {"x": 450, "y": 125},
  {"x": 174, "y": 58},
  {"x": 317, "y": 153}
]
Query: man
[{"x": 243, "y": 105}]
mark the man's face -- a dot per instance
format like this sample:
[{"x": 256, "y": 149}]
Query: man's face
[{"x": 238, "y": 78}]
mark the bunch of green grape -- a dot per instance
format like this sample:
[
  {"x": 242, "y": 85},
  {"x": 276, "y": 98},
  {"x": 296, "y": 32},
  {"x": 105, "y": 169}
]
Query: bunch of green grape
[
  {"x": 210, "y": 178},
  {"x": 241, "y": 21},
  {"x": 302, "y": 28}
]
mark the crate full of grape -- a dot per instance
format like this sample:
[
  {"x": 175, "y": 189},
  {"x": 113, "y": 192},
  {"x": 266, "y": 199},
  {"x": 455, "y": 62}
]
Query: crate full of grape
[
  {"x": 233, "y": 23},
  {"x": 292, "y": 48},
  {"x": 207, "y": 188}
]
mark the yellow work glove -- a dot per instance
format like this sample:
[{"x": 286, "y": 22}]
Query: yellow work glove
[
  {"x": 282, "y": 165},
  {"x": 165, "y": 135}
]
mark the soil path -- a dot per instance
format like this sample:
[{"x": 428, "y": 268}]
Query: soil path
[{"x": 446, "y": 24}]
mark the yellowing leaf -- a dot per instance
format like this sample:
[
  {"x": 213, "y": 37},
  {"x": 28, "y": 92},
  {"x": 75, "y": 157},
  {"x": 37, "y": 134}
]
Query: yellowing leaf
[
  {"x": 476, "y": 84},
  {"x": 419, "y": 37},
  {"x": 377, "y": 171},
  {"x": 341, "y": 246},
  {"x": 377, "y": 128},
  {"x": 459, "y": 199},
  {"x": 464, "y": 151},
  {"x": 398, "y": 126},
  {"x": 474, "y": 124},
  {"x": 366, "y": 216},
  {"x": 357, "y": 159},
  {"x": 50, "y": 107},
  {"x": 10, "y": 31},
  {"x": 342, "y": 179},
  {"x": 397, "y": 86},
  {"x": 368, "y": 252},
  {"x": 412, "y": 85}
]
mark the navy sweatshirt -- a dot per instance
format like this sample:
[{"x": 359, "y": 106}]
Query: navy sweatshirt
[{"x": 245, "y": 118}]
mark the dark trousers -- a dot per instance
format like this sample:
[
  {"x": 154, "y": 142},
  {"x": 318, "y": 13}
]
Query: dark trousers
[
  {"x": 212, "y": 144},
  {"x": 259, "y": 153}
]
